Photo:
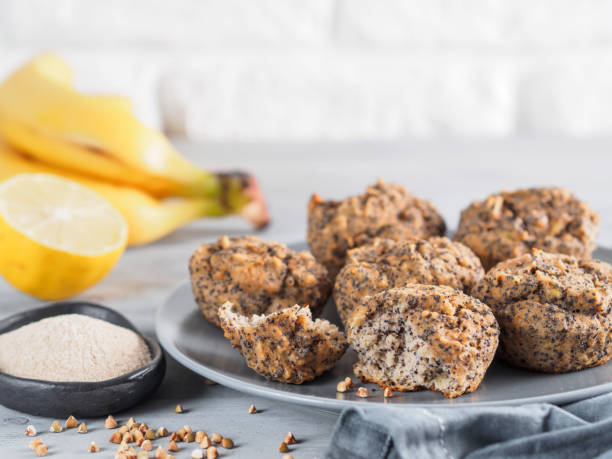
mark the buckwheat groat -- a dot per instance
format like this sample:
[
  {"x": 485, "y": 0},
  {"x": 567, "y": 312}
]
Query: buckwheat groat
[
  {"x": 257, "y": 276},
  {"x": 286, "y": 346},
  {"x": 423, "y": 337},
  {"x": 384, "y": 264},
  {"x": 509, "y": 224},
  {"x": 384, "y": 210},
  {"x": 554, "y": 310}
]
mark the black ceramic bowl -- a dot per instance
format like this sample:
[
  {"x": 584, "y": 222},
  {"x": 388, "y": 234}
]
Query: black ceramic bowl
[{"x": 84, "y": 399}]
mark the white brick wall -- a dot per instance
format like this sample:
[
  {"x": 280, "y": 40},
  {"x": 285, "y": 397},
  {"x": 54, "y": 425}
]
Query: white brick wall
[
  {"x": 334, "y": 69},
  {"x": 476, "y": 25},
  {"x": 340, "y": 96}
]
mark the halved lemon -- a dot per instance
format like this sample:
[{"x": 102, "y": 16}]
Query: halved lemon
[{"x": 57, "y": 238}]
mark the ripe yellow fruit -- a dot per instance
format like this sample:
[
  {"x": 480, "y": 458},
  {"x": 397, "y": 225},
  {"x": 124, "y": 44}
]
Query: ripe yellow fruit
[
  {"x": 96, "y": 136},
  {"x": 57, "y": 238},
  {"x": 148, "y": 218}
]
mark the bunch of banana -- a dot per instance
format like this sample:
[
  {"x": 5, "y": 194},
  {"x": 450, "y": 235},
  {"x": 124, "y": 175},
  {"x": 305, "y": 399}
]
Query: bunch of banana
[{"x": 47, "y": 126}]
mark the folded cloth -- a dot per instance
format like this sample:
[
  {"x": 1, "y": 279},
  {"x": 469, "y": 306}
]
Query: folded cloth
[{"x": 578, "y": 430}]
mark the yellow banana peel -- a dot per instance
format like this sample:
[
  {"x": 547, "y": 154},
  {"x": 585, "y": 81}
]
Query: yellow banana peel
[{"x": 98, "y": 136}]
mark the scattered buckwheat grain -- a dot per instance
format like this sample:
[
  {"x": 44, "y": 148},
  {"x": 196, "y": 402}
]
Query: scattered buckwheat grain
[
  {"x": 110, "y": 422},
  {"x": 41, "y": 450},
  {"x": 70, "y": 422},
  {"x": 56, "y": 427},
  {"x": 34, "y": 443},
  {"x": 290, "y": 438},
  {"x": 227, "y": 443}
]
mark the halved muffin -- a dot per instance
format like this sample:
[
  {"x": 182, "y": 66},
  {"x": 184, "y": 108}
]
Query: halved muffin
[
  {"x": 423, "y": 337},
  {"x": 285, "y": 346}
]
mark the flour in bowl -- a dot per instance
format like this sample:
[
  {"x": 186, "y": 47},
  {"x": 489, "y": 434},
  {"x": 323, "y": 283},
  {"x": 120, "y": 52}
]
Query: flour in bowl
[{"x": 71, "y": 347}]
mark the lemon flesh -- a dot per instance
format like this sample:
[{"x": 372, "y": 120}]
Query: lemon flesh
[{"x": 57, "y": 238}]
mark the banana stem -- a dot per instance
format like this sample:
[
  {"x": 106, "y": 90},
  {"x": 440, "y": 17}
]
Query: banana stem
[
  {"x": 236, "y": 192},
  {"x": 240, "y": 193},
  {"x": 159, "y": 218}
]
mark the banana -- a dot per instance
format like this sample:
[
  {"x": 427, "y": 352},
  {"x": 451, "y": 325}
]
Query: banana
[
  {"x": 97, "y": 136},
  {"x": 148, "y": 218}
]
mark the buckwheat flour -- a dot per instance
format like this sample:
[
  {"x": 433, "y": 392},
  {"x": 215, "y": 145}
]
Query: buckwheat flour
[{"x": 71, "y": 347}]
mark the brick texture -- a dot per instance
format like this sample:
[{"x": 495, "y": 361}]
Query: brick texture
[
  {"x": 279, "y": 70},
  {"x": 499, "y": 25}
]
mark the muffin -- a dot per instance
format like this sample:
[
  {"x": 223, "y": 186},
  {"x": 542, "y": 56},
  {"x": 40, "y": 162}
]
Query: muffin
[
  {"x": 384, "y": 210},
  {"x": 423, "y": 337},
  {"x": 257, "y": 276},
  {"x": 508, "y": 224},
  {"x": 553, "y": 310},
  {"x": 285, "y": 346},
  {"x": 385, "y": 264}
]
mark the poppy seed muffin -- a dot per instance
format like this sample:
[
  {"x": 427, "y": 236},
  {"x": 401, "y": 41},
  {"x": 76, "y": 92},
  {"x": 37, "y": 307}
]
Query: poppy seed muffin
[
  {"x": 285, "y": 346},
  {"x": 554, "y": 311},
  {"x": 384, "y": 210},
  {"x": 508, "y": 224},
  {"x": 423, "y": 337},
  {"x": 384, "y": 264},
  {"x": 257, "y": 276}
]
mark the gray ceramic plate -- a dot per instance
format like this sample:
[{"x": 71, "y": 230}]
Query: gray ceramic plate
[{"x": 200, "y": 346}]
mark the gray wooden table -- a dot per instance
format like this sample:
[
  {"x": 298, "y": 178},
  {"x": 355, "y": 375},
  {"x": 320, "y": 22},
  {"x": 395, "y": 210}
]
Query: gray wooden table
[{"x": 449, "y": 174}]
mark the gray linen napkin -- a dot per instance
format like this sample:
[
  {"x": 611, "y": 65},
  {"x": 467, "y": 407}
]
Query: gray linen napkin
[{"x": 577, "y": 430}]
